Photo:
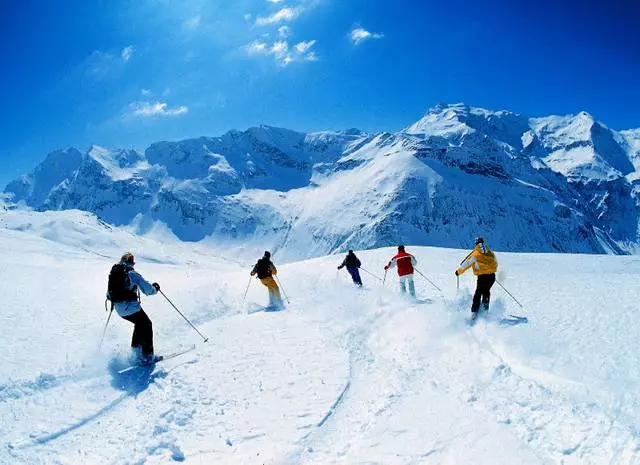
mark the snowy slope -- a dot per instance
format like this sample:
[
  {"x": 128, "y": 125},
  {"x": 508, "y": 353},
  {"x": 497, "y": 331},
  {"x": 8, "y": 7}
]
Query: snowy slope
[
  {"x": 631, "y": 139},
  {"x": 343, "y": 375},
  {"x": 558, "y": 183}
]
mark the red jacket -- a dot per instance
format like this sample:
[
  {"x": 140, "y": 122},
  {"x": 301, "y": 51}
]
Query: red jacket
[{"x": 405, "y": 262}]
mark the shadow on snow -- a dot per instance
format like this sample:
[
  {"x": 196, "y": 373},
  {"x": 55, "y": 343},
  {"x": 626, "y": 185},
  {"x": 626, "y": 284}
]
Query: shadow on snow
[{"x": 130, "y": 383}]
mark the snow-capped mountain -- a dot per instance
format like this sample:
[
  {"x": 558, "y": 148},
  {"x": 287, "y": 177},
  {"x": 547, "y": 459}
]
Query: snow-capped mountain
[{"x": 531, "y": 184}]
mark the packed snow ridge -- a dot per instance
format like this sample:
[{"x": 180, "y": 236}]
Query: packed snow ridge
[{"x": 558, "y": 183}]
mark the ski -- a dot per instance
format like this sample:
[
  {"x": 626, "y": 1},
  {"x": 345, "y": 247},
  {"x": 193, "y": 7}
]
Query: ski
[
  {"x": 513, "y": 320},
  {"x": 507, "y": 320},
  {"x": 161, "y": 358},
  {"x": 471, "y": 321}
]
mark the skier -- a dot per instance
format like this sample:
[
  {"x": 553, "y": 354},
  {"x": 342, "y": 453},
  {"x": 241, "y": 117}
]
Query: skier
[
  {"x": 266, "y": 270},
  {"x": 484, "y": 264},
  {"x": 123, "y": 292},
  {"x": 352, "y": 263},
  {"x": 405, "y": 263}
]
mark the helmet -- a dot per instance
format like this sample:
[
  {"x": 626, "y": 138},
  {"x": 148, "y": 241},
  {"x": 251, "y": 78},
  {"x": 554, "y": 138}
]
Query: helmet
[
  {"x": 479, "y": 240},
  {"x": 267, "y": 254}
]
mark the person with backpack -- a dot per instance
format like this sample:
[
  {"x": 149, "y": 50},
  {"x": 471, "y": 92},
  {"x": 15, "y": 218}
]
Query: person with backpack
[
  {"x": 484, "y": 264},
  {"x": 352, "y": 263},
  {"x": 124, "y": 286},
  {"x": 404, "y": 262},
  {"x": 265, "y": 271}
]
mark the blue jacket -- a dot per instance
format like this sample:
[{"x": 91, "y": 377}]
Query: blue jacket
[{"x": 133, "y": 306}]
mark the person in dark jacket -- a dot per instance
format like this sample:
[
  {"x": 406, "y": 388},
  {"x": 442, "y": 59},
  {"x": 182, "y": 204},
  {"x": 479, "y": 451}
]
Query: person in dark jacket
[
  {"x": 352, "y": 263},
  {"x": 265, "y": 271}
]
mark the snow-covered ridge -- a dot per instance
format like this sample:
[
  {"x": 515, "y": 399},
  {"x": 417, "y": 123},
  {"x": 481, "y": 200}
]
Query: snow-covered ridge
[{"x": 557, "y": 183}]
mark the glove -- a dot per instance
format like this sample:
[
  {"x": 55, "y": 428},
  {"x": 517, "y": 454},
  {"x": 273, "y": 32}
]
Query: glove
[
  {"x": 456, "y": 273},
  {"x": 338, "y": 267},
  {"x": 156, "y": 286},
  {"x": 386, "y": 267}
]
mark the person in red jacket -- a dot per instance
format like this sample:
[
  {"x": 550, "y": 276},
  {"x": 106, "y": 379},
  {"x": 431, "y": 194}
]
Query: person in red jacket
[{"x": 404, "y": 262}]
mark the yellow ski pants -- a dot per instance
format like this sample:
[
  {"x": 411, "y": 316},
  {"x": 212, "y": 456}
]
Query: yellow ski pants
[{"x": 274, "y": 290}]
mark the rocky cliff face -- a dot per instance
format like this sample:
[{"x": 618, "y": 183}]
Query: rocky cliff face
[{"x": 565, "y": 184}]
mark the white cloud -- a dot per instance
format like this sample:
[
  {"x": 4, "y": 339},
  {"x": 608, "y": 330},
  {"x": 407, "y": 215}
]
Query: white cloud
[
  {"x": 284, "y": 32},
  {"x": 275, "y": 1},
  {"x": 311, "y": 56},
  {"x": 127, "y": 53},
  {"x": 101, "y": 65},
  {"x": 152, "y": 109},
  {"x": 146, "y": 92},
  {"x": 282, "y": 53},
  {"x": 286, "y": 59},
  {"x": 257, "y": 48},
  {"x": 280, "y": 47},
  {"x": 360, "y": 34},
  {"x": 286, "y": 14},
  {"x": 302, "y": 47},
  {"x": 193, "y": 23}
]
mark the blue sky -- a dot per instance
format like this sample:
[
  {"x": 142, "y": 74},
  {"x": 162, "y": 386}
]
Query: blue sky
[{"x": 127, "y": 73}]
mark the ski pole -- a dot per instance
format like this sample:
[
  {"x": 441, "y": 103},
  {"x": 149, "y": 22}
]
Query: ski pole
[
  {"x": 510, "y": 294},
  {"x": 247, "y": 290},
  {"x": 105, "y": 326},
  {"x": 186, "y": 319},
  {"x": 457, "y": 283},
  {"x": 368, "y": 272},
  {"x": 385, "y": 277},
  {"x": 431, "y": 282},
  {"x": 282, "y": 288}
]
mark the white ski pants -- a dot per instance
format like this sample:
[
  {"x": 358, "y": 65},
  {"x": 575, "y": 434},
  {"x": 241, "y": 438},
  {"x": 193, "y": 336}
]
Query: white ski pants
[{"x": 407, "y": 280}]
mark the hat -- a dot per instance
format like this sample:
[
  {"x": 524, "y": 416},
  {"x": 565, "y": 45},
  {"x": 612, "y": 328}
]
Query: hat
[
  {"x": 350, "y": 251},
  {"x": 401, "y": 248},
  {"x": 479, "y": 240},
  {"x": 128, "y": 258},
  {"x": 267, "y": 254}
]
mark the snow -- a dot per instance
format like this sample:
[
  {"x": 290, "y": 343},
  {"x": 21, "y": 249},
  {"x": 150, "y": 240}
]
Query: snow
[
  {"x": 581, "y": 147},
  {"x": 341, "y": 375},
  {"x": 632, "y": 139},
  {"x": 120, "y": 165},
  {"x": 564, "y": 130},
  {"x": 580, "y": 162}
]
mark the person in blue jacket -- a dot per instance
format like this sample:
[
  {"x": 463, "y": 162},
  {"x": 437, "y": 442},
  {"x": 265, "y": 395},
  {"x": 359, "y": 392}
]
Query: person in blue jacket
[{"x": 124, "y": 286}]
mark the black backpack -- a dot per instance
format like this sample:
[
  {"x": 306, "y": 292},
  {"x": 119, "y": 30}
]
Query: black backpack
[
  {"x": 119, "y": 288},
  {"x": 263, "y": 268}
]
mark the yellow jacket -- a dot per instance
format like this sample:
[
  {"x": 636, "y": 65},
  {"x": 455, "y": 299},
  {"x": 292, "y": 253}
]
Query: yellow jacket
[{"x": 481, "y": 259}]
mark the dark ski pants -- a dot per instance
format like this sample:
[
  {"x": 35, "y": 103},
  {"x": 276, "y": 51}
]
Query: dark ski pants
[
  {"x": 355, "y": 275},
  {"x": 142, "y": 332},
  {"x": 483, "y": 292}
]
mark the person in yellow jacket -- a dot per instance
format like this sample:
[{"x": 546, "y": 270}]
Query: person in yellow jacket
[
  {"x": 266, "y": 270},
  {"x": 484, "y": 265}
]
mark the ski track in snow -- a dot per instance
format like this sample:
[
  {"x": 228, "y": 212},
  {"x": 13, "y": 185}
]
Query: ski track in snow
[{"x": 341, "y": 375}]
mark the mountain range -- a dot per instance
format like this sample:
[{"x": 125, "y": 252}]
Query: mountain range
[{"x": 550, "y": 184}]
